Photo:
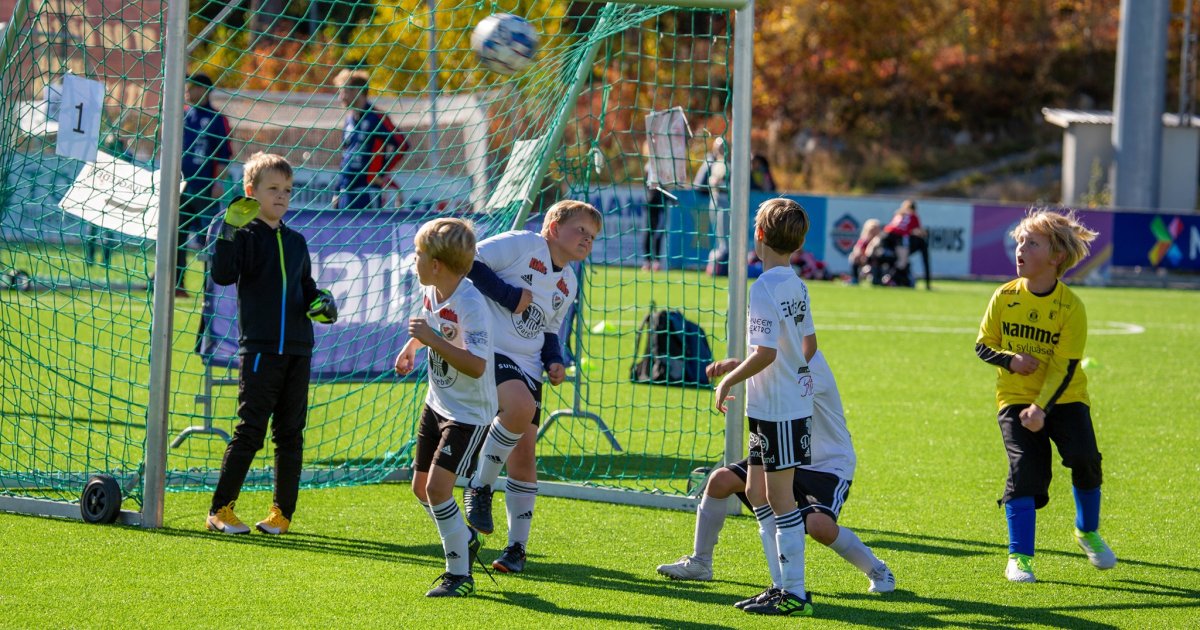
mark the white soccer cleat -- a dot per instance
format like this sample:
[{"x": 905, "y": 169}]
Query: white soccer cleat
[
  {"x": 1020, "y": 568},
  {"x": 688, "y": 568},
  {"x": 882, "y": 580},
  {"x": 1098, "y": 552}
]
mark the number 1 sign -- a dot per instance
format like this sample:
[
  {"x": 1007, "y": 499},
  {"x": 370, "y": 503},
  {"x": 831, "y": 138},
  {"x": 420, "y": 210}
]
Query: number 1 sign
[{"x": 79, "y": 118}]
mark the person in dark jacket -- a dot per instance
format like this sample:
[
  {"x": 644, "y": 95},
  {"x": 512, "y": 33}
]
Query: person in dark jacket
[
  {"x": 206, "y": 154},
  {"x": 277, "y": 303}
]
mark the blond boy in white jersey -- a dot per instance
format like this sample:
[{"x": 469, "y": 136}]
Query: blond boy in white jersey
[{"x": 461, "y": 398}]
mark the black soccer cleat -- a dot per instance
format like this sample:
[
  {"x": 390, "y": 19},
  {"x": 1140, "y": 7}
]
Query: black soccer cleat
[
  {"x": 452, "y": 586},
  {"x": 478, "y": 504},
  {"x": 511, "y": 560},
  {"x": 761, "y": 598},
  {"x": 784, "y": 604}
]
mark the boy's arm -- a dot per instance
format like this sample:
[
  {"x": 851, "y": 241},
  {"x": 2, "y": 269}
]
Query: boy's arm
[
  {"x": 1062, "y": 367},
  {"x": 987, "y": 343},
  {"x": 808, "y": 345},
  {"x": 407, "y": 359},
  {"x": 552, "y": 358},
  {"x": 460, "y": 359},
  {"x": 494, "y": 288},
  {"x": 760, "y": 357},
  {"x": 230, "y": 254}
]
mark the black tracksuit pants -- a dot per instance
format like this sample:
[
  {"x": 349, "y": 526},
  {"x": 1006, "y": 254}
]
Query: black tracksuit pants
[{"x": 270, "y": 387}]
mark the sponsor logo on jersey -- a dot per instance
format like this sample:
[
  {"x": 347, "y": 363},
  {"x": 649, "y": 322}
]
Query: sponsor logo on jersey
[
  {"x": 1032, "y": 315},
  {"x": 448, "y": 315},
  {"x": 844, "y": 234},
  {"x": 794, "y": 309},
  {"x": 441, "y": 372},
  {"x": 1032, "y": 333},
  {"x": 449, "y": 332},
  {"x": 761, "y": 325},
  {"x": 537, "y": 266},
  {"x": 1009, "y": 291},
  {"x": 806, "y": 381},
  {"x": 531, "y": 322},
  {"x": 562, "y": 286},
  {"x": 528, "y": 278},
  {"x": 556, "y": 302},
  {"x": 477, "y": 337}
]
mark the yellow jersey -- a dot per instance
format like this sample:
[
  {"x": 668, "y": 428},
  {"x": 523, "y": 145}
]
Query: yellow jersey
[{"x": 1052, "y": 328}]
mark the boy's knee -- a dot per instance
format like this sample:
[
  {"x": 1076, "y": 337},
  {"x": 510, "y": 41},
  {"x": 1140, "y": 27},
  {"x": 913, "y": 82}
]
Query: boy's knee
[
  {"x": 723, "y": 483},
  {"x": 250, "y": 436},
  {"x": 821, "y": 527},
  {"x": 419, "y": 492},
  {"x": 1086, "y": 471}
]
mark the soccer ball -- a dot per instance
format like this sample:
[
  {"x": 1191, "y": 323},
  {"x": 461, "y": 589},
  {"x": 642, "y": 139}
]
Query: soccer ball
[{"x": 505, "y": 43}]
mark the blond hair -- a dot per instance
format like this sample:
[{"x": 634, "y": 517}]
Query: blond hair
[
  {"x": 568, "y": 209},
  {"x": 1066, "y": 234},
  {"x": 783, "y": 224},
  {"x": 262, "y": 162},
  {"x": 870, "y": 228},
  {"x": 352, "y": 79},
  {"x": 450, "y": 241}
]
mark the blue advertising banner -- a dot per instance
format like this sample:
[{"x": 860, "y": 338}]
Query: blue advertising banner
[
  {"x": 1156, "y": 240},
  {"x": 366, "y": 259}
]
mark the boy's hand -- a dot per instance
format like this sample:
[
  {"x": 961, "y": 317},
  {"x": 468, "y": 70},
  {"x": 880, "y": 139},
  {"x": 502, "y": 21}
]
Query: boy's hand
[
  {"x": 526, "y": 300},
  {"x": 1023, "y": 364},
  {"x": 720, "y": 368},
  {"x": 323, "y": 310},
  {"x": 242, "y": 211},
  {"x": 405, "y": 361},
  {"x": 1033, "y": 418},
  {"x": 419, "y": 329},
  {"x": 556, "y": 373},
  {"x": 721, "y": 398}
]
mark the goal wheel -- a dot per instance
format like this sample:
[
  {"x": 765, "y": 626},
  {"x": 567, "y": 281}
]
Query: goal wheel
[{"x": 101, "y": 500}]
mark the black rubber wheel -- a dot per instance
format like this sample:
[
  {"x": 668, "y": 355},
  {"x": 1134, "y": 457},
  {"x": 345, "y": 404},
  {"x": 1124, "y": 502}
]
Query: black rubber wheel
[{"x": 101, "y": 500}]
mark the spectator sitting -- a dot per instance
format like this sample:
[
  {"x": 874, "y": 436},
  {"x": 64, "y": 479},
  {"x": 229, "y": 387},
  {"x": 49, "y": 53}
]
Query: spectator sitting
[
  {"x": 896, "y": 234},
  {"x": 808, "y": 267},
  {"x": 864, "y": 248}
]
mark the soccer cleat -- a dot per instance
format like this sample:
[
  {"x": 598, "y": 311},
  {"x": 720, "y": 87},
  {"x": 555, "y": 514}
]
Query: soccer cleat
[
  {"x": 783, "y": 604},
  {"x": 688, "y": 568},
  {"x": 478, "y": 505},
  {"x": 452, "y": 586},
  {"x": 225, "y": 521},
  {"x": 511, "y": 560},
  {"x": 882, "y": 580},
  {"x": 761, "y": 598},
  {"x": 275, "y": 523},
  {"x": 1020, "y": 568},
  {"x": 1098, "y": 551}
]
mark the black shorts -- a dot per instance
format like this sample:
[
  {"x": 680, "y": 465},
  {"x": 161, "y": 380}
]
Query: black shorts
[
  {"x": 815, "y": 491},
  {"x": 450, "y": 445},
  {"x": 780, "y": 445},
  {"x": 508, "y": 370},
  {"x": 1030, "y": 459}
]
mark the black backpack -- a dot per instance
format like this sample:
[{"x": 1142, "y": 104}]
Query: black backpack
[{"x": 676, "y": 351}]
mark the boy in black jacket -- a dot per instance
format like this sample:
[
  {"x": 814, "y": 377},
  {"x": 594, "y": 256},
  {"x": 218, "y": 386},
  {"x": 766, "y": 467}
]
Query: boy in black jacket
[{"x": 277, "y": 298}]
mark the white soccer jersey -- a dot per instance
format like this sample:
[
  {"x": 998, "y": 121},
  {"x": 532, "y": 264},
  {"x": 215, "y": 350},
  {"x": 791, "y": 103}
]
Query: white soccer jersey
[
  {"x": 522, "y": 258},
  {"x": 832, "y": 450},
  {"x": 463, "y": 321},
  {"x": 779, "y": 318}
]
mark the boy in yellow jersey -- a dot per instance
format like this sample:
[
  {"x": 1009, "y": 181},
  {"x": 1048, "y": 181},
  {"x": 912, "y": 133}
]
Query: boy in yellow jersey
[{"x": 1034, "y": 332}]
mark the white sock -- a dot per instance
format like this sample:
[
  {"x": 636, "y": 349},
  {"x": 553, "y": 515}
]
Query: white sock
[
  {"x": 766, "y": 532},
  {"x": 852, "y": 550},
  {"x": 428, "y": 510},
  {"x": 790, "y": 540},
  {"x": 519, "y": 497},
  {"x": 496, "y": 447},
  {"x": 453, "y": 530},
  {"x": 710, "y": 518}
]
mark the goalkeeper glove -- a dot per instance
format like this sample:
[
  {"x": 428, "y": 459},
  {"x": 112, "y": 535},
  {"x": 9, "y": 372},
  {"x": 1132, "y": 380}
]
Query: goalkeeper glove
[
  {"x": 241, "y": 211},
  {"x": 323, "y": 310}
]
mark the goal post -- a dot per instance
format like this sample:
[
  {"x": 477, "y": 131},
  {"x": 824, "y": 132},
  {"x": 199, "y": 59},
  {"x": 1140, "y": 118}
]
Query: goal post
[{"x": 106, "y": 370}]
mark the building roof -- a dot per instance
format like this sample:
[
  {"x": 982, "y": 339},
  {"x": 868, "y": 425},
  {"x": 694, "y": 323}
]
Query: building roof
[{"x": 1065, "y": 117}]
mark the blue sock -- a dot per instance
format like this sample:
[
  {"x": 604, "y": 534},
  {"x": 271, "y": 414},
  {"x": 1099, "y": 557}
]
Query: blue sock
[
  {"x": 1022, "y": 524},
  {"x": 1087, "y": 509}
]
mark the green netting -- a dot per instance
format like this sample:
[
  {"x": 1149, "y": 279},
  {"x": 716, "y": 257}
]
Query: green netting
[{"x": 74, "y": 336}]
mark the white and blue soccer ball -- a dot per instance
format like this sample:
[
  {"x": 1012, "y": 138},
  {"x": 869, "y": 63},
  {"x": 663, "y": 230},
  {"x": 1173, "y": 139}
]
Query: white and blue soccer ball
[{"x": 505, "y": 43}]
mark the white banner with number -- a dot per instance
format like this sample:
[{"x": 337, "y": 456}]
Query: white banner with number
[
  {"x": 79, "y": 118},
  {"x": 116, "y": 195}
]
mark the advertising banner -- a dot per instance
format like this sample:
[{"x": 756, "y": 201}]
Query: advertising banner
[
  {"x": 993, "y": 252},
  {"x": 1156, "y": 240},
  {"x": 948, "y": 224}
]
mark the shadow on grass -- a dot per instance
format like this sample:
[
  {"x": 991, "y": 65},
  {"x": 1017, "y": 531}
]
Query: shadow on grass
[
  {"x": 535, "y": 603},
  {"x": 959, "y": 547},
  {"x": 429, "y": 554}
]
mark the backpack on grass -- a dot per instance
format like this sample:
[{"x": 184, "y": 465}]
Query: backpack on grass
[{"x": 676, "y": 351}]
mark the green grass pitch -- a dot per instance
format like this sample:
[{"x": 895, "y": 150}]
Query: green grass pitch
[{"x": 931, "y": 465}]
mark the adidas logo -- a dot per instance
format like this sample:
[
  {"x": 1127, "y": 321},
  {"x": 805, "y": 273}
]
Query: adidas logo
[
  {"x": 492, "y": 458},
  {"x": 446, "y": 450},
  {"x": 526, "y": 516},
  {"x": 452, "y": 556},
  {"x": 782, "y": 559},
  {"x": 528, "y": 278}
]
